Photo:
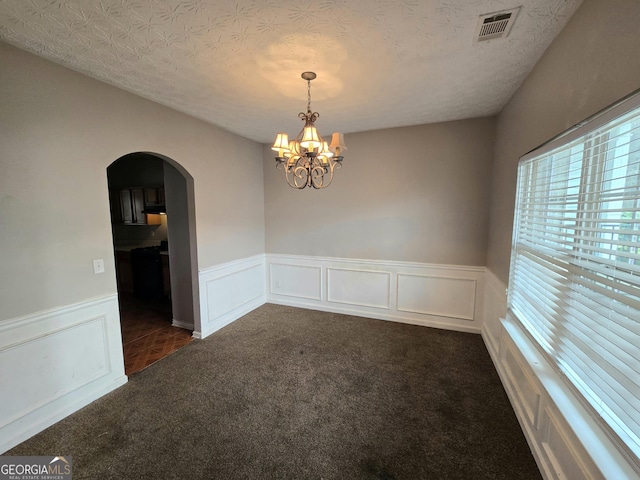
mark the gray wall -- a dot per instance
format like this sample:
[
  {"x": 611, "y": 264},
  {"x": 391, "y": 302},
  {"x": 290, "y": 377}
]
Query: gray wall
[
  {"x": 417, "y": 194},
  {"x": 60, "y": 130},
  {"x": 591, "y": 64},
  {"x": 182, "y": 269}
]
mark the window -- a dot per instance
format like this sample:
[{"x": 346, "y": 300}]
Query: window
[{"x": 575, "y": 269}]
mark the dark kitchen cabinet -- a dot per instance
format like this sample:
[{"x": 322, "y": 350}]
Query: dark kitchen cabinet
[
  {"x": 124, "y": 274},
  {"x": 146, "y": 267},
  {"x": 143, "y": 272},
  {"x": 154, "y": 196},
  {"x": 132, "y": 206},
  {"x": 132, "y": 203}
]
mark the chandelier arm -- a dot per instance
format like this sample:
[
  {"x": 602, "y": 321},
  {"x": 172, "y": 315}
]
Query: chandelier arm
[
  {"x": 333, "y": 165},
  {"x": 290, "y": 178},
  {"x": 317, "y": 177},
  {"x": 301, "y": 176},
  {"x": 287, "y": 171}
]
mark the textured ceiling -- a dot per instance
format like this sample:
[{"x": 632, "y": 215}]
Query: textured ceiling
[{"x": 237, "y": 64}]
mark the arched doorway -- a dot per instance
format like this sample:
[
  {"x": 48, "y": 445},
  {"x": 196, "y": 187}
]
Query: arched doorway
[{"x": 153, "y": 227}]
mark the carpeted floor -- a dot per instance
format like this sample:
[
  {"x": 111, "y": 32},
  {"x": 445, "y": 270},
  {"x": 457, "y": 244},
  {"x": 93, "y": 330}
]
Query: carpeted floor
[{"x": 297, "y": 394}]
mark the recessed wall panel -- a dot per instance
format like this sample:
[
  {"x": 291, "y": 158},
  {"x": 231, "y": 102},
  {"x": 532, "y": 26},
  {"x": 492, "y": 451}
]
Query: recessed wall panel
[
  {"x": 358, "y": 287},
  {"x": 522, "y": 385},
  {"x": 430, "y": 295},
  {"x": 558, "y": 449},
  {"x": 234, "y": 289},
  {"x": 295, "y": 280},
  {"x": 45, "y": 368}
]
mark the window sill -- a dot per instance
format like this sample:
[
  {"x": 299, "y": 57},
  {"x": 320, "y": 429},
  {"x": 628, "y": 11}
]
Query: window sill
[{"x": 590, "y": 437}]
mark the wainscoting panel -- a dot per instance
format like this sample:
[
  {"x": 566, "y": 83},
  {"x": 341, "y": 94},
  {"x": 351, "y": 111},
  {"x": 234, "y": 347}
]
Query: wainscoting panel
[
  {"x": 229, "y": 291},
  {"x": 442, "y": 296},
  {"x": 558, "y": 448},
  {"x": 299, "y": 281},
  {"x": 55, "y": 362},
  {"x": 566, "y": 441},
  {"x": 520, "y": 381},
  {"x": 358, "y": 287}
]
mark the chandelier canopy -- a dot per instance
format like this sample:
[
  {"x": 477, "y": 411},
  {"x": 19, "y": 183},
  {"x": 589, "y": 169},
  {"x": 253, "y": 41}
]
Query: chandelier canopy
[{"x": 308, "y": 161}]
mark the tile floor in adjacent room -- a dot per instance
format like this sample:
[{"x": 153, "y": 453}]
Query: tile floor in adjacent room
[{"x": 147, "y": 334}]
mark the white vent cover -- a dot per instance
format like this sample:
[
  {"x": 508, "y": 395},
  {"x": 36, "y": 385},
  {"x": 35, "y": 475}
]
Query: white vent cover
[{"x": 495, "y": 25}]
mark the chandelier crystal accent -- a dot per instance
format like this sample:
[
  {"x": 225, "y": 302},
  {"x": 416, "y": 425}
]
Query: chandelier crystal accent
[{"x": 308, "y": 161}]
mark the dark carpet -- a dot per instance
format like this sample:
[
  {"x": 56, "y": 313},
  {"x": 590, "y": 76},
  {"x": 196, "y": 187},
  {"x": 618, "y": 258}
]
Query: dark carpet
[{"x": 298, "y": 394}]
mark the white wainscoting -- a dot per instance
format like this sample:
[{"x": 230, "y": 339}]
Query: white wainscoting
[
  {"x": 55, "y": 362},
  {"x": 443, "y": 296},
  {"x": 229, "y": 291},
  {"x": 359, "y": 288},
  {"x": 566, "y": 441}
]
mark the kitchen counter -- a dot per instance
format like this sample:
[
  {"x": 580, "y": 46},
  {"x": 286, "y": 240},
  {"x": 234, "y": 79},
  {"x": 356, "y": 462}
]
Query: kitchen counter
[{"x": 128, "y": 248}]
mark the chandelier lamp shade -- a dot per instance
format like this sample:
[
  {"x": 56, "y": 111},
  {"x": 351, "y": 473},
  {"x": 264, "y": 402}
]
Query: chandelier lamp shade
[{"x": 307, "y": 160}]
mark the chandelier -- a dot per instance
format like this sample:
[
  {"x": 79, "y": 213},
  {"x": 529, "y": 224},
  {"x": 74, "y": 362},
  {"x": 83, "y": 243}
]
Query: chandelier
[{"x": 308, "y": 161}]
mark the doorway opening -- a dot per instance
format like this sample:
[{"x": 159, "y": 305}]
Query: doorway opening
[{"x": 153, "y": 229}]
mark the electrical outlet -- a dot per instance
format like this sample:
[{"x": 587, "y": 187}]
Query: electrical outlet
[{"x": 98, "y": 266}]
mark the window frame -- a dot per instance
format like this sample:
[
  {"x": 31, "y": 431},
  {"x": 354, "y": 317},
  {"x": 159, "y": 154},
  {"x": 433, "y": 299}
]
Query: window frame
[{"x": 593, "y": 166}]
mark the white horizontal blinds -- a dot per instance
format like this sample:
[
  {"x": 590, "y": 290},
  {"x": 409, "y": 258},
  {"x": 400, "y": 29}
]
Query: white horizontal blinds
[
  {"x": 575, "y": 271},
  {"x": 548, "y": 195}
]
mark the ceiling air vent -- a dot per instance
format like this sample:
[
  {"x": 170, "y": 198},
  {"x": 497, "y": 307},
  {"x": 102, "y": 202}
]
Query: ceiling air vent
[{"x": 495, "y": 25}]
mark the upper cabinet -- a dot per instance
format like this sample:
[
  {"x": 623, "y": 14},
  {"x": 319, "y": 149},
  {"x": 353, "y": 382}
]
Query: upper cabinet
[
  {"x": 132, "y": 206},
  {"x": 139, "y": 206},
  {"x": 154, "y": 197}
]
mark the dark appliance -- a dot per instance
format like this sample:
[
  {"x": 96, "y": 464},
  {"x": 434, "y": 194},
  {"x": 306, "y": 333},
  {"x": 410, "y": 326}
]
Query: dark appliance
[{"x": 146, "y": 268}]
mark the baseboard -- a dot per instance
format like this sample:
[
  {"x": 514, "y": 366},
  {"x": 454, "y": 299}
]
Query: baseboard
[
  {"x": 442, "y": 296},
  {"x": 55, "y": 362},
  {"x": 179, "y": 324},
  {"x": 431, "y": 323},
  {"x": 564, "y": 438}
]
